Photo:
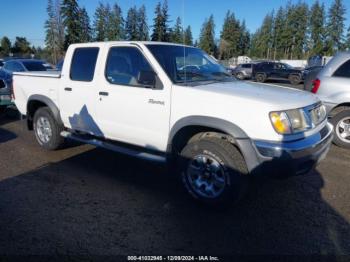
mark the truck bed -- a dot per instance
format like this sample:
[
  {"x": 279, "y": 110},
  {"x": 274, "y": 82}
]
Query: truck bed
[{"x": 27, "y": 84}]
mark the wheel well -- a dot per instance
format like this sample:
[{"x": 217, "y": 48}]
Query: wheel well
[
  {"x": 193, "y": 133},
  {"x": 339, "y": 108},
  {"x": 32, "y": 107}
]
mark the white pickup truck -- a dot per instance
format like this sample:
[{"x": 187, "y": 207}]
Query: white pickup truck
[{"x": 161, "y": 101}]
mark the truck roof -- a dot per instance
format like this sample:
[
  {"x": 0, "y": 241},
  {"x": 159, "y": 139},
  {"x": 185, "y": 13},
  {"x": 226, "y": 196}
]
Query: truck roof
[{"x": 127, "y": 42}]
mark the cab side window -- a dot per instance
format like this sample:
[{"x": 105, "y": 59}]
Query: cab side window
[
  {"x": 83, "y": 64},
  {"x": 124, "y": 66},
  {"x": 343, "y": 70}
]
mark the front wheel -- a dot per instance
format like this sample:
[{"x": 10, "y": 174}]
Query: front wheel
[
  {"x": 47, "y": 130},
  {"x": 213, "y": 171},
  {"x": 341, "y": 122}
]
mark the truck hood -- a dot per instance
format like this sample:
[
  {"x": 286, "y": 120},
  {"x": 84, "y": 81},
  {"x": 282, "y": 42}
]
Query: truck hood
[{"x": 278, "y": 97}]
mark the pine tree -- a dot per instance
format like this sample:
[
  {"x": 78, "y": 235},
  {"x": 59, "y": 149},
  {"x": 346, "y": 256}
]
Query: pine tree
[
  {"x": 335, "y": 26},
  {"x": 300, "y": 24},
  {"x": 244, "y": 40},
  {"x": 207, "y": 34},
  {"x": 177, "y": 32},
  {"x": 157, "y": 34},
  {"x": 230, "y": 37},
  {"x": 100, "y": 23},
  {"x": 21, "y": 46},
  {"x": 70, "y": 14},
  {"x": 51, "y": 32},
  {"x": 287, "y": 38},
  {"x": 165, "y": 14},
  {"x": 317, "y": 31},
  {"x": 85, "y": 35},
  {"x": 142, "y": 24},
  {"x": 278, "y": 26},
  {"x": 114, "y": 23},
  {"x": 188, "y": 36},
  {"x": 6, "y": 46},
  {"x": 266, "y": 37},
  {"x": 347, "y": 42},
  {"x": 131, "y": 25},
  {"x": 54, "y": 27},
  {"x": 160, "y": 23}
]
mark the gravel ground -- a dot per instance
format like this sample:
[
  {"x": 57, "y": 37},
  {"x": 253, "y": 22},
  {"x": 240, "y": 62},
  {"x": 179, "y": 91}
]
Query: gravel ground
[{"x": 87, "y": 201}]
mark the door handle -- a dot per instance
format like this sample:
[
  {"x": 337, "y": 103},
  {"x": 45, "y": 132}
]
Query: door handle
[
  {"x": 103, "y": 93},
  {"x": 69, "y": 89}
]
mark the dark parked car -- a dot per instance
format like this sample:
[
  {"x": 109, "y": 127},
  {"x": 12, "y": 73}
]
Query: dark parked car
[
  {"x": 243, "y": 71},
  {"x": 24, "y": 65},
  {"x": 277, "y": 71},
  {"x": 5, "y": 90}
]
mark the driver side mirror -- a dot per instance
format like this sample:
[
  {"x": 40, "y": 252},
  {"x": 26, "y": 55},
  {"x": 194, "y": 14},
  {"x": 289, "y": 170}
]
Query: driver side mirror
[{"x": 149, "y": 79}]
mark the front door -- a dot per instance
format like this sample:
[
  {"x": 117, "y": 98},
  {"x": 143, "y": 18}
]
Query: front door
[{"x": 130, "y": 110}]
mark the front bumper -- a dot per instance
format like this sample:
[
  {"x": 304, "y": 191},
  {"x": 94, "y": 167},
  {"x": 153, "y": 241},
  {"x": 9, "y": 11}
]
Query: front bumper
[{"x": 286, "y": 159}]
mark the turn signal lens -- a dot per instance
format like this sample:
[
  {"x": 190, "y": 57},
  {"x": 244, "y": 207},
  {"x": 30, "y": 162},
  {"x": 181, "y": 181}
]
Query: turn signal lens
[{"x": 280, "y": 122}]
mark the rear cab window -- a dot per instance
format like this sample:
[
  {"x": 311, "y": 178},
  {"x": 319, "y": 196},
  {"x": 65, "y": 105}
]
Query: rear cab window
[
  {"x": 83, "y": 64},
  {"x": 343, "y": 70}
]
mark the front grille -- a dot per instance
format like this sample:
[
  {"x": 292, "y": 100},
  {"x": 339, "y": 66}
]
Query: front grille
[
  {"x": 2, "y": 84},
  {"x": 318, "y": 114}
]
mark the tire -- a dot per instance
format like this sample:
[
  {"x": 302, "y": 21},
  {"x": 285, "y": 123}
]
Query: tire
[
  {"x": 294, "y": 79},
  {"x": 261, "y": 78},
  {"x": 341, "y": 123},
  {"x": 47, "y": 130},
  {"x": 222, "y": 177},
  {"x": 240, "y": 76}
]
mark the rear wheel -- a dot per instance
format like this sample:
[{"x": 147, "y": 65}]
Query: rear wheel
[
  {"x": 294, "y": 79},
  {"x": 260, "y": 77},
  {"x": 213, "y": 171},
  {"x": 341, "y": 122},
  {"x": 47, "y": 130}
]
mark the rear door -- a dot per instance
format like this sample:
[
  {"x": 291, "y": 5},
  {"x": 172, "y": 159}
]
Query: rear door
[
  {"x": 78, "y": 95},
  {"x": 129, "y": 110}
]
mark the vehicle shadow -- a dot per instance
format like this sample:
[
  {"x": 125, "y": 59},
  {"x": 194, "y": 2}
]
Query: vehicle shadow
[
  {"x": 103, "y": 203},
  {"x": 6, "y": 135},
  {"x": 9, "y": 115}
]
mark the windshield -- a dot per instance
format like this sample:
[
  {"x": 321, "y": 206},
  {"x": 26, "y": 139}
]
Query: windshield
[
  {"x": 188, "y": 64},
  {"x": 34, "y": 66},
  {"x": 288, "y": 66}
]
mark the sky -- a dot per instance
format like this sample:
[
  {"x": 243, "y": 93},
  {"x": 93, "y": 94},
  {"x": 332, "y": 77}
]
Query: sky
[{"x": 27, "y": 17}]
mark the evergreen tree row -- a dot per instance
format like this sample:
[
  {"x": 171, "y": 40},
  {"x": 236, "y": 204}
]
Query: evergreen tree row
[
  {"x": 298, "y": 31},
  {"x": 68, "y": 23},
  {"x": 295, "y": 31}
]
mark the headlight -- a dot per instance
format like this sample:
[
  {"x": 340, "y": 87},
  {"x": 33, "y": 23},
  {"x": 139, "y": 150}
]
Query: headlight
[{"x": 297, "y": 120}]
